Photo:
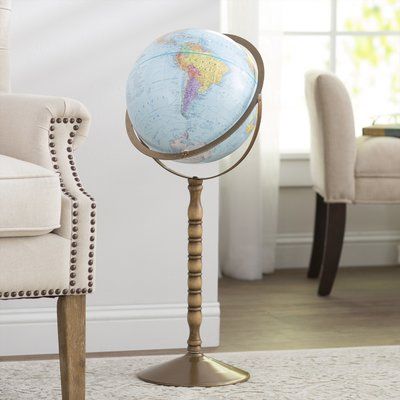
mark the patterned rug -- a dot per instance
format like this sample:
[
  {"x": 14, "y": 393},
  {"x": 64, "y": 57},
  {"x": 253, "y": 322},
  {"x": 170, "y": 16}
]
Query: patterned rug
[{"x": 328, "y": 374}]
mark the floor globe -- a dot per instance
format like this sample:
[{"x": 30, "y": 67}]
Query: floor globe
[{"x": 187, "y": 89}]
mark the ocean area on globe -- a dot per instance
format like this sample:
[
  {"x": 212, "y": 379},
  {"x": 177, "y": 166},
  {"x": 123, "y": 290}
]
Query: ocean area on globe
[{"x": 187, "y": 89}]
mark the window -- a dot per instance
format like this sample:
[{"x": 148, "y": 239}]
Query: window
[{"x": 359, "y": 40}]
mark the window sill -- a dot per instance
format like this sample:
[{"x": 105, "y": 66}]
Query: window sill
[
  {"x": 295, "y": 156},
  {"x": 295, "y": 170}
]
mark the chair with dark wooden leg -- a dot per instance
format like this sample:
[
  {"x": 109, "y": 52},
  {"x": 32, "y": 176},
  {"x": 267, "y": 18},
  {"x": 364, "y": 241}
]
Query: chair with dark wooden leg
[
  {"x": 318, "y": 246},
  {"x": 334, "y": 234},
  {"x": 329, "y": 227},
  {"x": 333, "y": 157},
  {"x": 47, "y": 218},
  {"x": 344, "y": 169}
]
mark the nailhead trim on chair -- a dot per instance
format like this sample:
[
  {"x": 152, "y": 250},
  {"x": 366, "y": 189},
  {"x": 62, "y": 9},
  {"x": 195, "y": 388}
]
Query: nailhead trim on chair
[
  {"x": 75, "y": 214},
  {"x": 74, "y": 236}
]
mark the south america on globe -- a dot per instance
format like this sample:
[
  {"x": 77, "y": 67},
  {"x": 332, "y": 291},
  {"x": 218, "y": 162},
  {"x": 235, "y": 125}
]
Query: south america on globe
[{"x": 187, "y": 89}]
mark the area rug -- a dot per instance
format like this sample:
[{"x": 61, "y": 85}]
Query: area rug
[{"x": 329, "y": 374}]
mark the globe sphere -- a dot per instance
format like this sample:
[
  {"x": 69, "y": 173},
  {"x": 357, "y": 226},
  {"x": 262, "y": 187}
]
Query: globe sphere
[{"x": 187, "y": 89}]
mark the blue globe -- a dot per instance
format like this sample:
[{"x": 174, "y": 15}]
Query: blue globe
[{"x": 187, "y": 89}]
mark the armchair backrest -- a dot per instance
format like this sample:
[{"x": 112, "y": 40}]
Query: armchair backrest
[
  {"x": 333, "y": 143},
  {"x": 5, "y": 10}
]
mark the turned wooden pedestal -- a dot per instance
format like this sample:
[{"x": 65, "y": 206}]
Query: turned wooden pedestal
[{"x": 194, "y": 368}]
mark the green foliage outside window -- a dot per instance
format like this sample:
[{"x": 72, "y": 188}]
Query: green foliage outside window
[{"x": 376, "y": 51}]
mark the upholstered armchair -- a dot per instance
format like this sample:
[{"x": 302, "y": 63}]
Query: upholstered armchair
[
  {"x": 344, "y": 169},
  {"x": 47, "y": 219}
]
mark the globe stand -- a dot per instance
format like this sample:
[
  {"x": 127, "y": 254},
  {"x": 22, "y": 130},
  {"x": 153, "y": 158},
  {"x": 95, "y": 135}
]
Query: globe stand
[{"x": 194, "y": 368}]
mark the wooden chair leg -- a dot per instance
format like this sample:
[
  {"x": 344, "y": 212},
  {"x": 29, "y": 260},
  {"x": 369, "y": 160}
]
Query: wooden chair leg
[
  {"x": 71, "y": 313},
  {"x": 317, "y": 253},
  {"x": 335, "y": 228}
]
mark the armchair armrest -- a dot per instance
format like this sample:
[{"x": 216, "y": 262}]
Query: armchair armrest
[
  {"x": 45, "y": 131},
  {"x": 25, "y": 123}
]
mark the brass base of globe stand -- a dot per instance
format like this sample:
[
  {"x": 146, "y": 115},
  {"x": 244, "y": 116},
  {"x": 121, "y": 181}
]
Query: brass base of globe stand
[{"x": 194, "y": 368}]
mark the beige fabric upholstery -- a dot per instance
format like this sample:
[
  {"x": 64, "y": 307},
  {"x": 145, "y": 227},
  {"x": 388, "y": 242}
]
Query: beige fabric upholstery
[
  {"x": 30, "y": 199},
  {"x": 45, "y": 131},
  {"x": 378, "y": 157},
  {"x": 333, "y": 145},
  {"x": 34, "y": 264},
  {"x": 377, "y": 190},
  {"x": 377, "y": 170},
  {"x": 345, "y": 169},
  {"x": 5, "y": 7},
  {"x": 25, "y": 123}
]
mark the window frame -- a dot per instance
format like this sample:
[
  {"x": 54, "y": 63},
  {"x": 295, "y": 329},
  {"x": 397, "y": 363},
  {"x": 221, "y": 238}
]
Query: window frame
[{"x": 333, "y": 33}]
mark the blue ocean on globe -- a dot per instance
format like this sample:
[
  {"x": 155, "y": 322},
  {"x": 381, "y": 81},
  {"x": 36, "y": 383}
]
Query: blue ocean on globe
[{"x": 187, "y": 89}]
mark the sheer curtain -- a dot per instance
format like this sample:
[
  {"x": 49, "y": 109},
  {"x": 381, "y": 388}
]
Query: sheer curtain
[{"x": 249, "y": 194}]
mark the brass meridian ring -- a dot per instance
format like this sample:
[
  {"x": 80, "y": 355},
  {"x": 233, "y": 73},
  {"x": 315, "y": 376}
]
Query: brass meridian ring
[
  {"x": 244, "y": 155},
  {"x": 157, "y": 156}
]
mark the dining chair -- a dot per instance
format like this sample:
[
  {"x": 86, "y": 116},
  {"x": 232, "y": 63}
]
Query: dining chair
[
  {"x": 345, "y": 169},
  {"x": 47, "y": 218}
]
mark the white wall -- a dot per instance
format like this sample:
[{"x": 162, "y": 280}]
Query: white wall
[
  {"x": 85, "y": 49},
  {"x": 372, "y": 231}
]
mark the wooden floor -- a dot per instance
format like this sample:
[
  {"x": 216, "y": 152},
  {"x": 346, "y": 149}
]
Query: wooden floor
[{"x": 283, "y": 311}]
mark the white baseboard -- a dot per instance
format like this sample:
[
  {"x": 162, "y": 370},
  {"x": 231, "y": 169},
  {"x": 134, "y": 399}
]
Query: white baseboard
[
  {"x": 360, "y": 249},
  {"x": 109, "y": 328},
  {"x": 161, "y": 326}
]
